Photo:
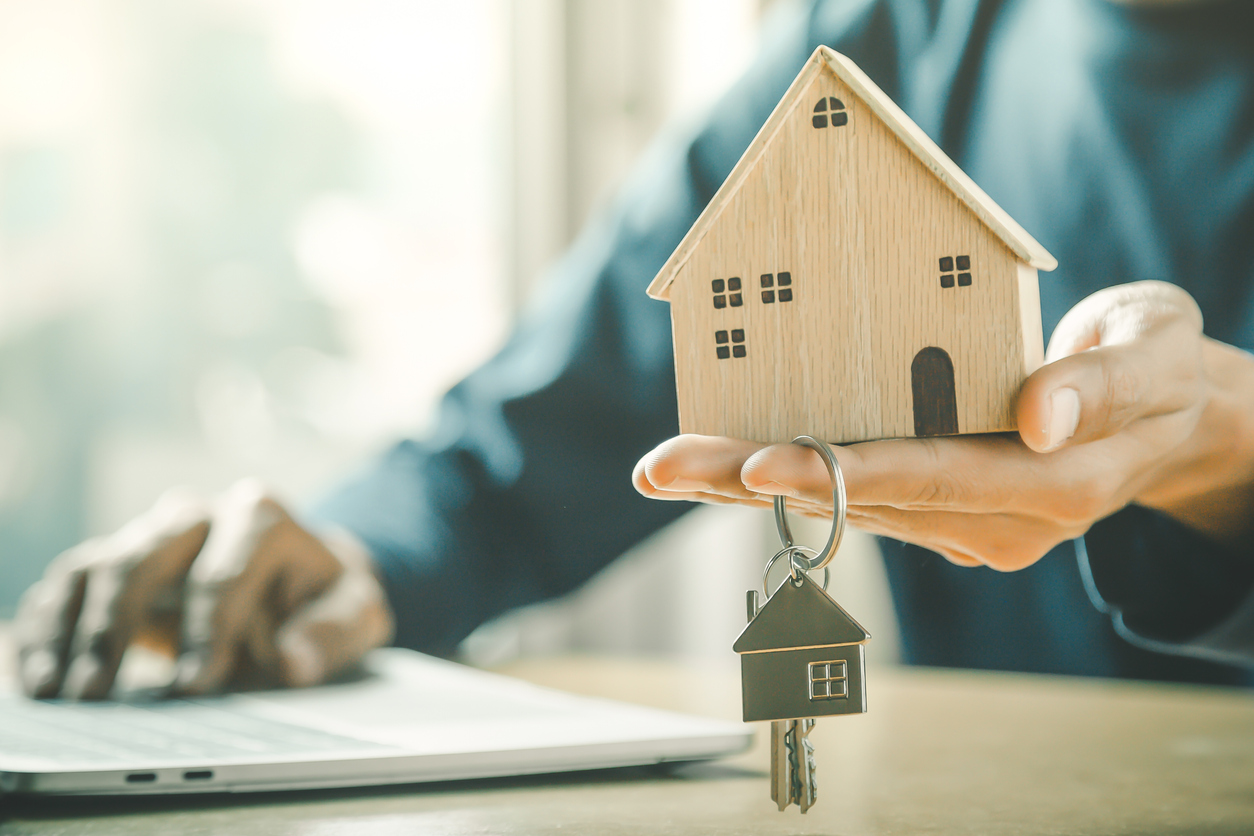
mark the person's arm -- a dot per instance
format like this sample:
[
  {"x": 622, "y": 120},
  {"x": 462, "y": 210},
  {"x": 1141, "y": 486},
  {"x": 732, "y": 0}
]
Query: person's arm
[
  {"x": 523, "y": 492},
  {"x": 1137, "y": 408}
]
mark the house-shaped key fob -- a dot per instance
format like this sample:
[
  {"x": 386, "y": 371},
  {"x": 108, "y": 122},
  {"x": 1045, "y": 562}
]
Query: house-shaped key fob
[{"x": 801, "y": 656}]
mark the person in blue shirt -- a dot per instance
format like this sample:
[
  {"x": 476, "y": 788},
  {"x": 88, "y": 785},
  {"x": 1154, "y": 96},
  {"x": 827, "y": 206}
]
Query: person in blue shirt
[{"x": 1121, "y": 134}]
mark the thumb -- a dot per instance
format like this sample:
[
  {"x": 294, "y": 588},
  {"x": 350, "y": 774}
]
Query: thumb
[
  {"x": 330, "y": 634},
  {"x": 1124, "y": 353}
]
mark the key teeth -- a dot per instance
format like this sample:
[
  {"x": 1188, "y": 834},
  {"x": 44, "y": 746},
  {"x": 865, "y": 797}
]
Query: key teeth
[{"x": 793, "y": 770}]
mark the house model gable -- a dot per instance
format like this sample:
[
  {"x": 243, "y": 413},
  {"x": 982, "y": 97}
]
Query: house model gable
[
  {"x": 849, "y": 281},
  {"x": 799, "y": 616}
]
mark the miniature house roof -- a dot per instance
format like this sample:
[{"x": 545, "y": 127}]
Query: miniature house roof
[
  {"x": 1015, "y": 237},
  {"x": 799, "y": 616}
]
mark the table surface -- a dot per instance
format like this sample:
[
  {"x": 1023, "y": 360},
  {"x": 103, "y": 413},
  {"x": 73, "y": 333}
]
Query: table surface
[{"x": 940, "y": 752}]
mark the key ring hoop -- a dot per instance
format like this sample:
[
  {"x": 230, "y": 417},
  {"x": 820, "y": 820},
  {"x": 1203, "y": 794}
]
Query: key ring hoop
[
  {"x": 840, "y": 505},
  {"x": 795, "y": 566}
]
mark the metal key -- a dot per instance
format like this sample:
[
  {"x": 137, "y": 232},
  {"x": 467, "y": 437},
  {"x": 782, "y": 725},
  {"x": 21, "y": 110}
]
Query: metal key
[
  {"x": 805, "y": 781},
  {"x": 781, "y": 764},
  {"x": 801, "y": 653},
  {"x": 793, "y": 771}
]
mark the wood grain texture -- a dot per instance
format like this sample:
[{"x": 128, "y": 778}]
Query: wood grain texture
[
  {"x": 950, "y": 753},
  {"x": 861, "y": 223},
  {"x": 1014, "y": 236}
]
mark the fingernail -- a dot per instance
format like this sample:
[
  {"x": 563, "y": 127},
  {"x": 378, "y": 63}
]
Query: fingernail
[
  {"x": 1064, "y": 416},
  {"x": 303, "y": 663},
  {"x": 682, "y": 484}
]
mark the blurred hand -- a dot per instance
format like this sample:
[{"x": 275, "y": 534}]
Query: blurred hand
[
  {"x": 238, "y": 592},
  {"x": 1133, "y": 405}
]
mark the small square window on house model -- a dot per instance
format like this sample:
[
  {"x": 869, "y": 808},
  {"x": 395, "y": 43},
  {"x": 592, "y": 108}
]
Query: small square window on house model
[{"x": 849, "y": 281}]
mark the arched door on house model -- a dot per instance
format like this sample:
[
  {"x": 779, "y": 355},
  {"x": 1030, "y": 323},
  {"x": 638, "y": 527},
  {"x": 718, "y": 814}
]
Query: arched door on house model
[{"x": 932, "y": 385}]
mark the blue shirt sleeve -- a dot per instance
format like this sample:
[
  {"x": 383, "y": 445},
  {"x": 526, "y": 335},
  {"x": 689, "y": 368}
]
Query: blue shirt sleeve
[{"x": 524, "y": 491}]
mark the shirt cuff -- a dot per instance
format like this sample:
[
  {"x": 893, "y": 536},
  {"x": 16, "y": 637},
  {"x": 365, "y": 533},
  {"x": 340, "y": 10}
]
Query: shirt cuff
[{"x": 1168, "y": 588}]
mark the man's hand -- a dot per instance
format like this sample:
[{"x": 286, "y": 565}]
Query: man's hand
[
  {"x": 1134, "y": 405},
  {"x": 239, "y": 593}
]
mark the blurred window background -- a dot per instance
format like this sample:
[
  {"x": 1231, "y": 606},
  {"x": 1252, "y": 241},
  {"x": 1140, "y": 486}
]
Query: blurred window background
[{"x": 263, "y": 236}]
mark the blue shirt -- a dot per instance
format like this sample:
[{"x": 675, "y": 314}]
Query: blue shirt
[{"x": 1122, "y": 138}]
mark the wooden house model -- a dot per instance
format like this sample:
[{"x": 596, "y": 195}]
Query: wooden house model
[
  {"x": 849, "y": 281},
  {"x": 801, "y": 656}
]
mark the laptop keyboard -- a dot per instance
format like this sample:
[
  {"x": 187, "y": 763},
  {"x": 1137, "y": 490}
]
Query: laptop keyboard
[{"x": 179, "y": 730}]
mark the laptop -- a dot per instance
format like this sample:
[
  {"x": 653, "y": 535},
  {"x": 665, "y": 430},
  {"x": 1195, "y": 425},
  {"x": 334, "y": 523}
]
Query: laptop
[{"x": 409, "y": 719}]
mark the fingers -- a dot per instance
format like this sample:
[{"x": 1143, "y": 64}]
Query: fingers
[
  {"x": 720, "y": 471},
  {"x": 1004, "y": 542},
  {"x": 130, "y": 589},
  {"x": 695, "y": 466},
  {"x": 1127, "y": 369},
  {"x": 1123, "y": 354},
  {"x": 76, "y": 623},
  {"x": 215, "y": 585},
  {"x": 100, "y": 637},
  {"x": 332, "y": 633},
  {"x": 1119, "y": 315},
  {"x": 257, "y": 567},
  {"x": 45, "y": 621},
  {"x": 973, "y": 472},
  {"x": 793, "y": 471},
  {"x": 216, "y": 611},
  {"x": 955, "y": 496}
]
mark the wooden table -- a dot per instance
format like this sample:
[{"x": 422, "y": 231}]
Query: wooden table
[{"x": 939, "y": 753}]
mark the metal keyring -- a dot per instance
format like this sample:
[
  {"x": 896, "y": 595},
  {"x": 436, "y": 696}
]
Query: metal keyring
[
  {"x": 839, "y": 506},
  {"x": 795, "y": 561}
]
